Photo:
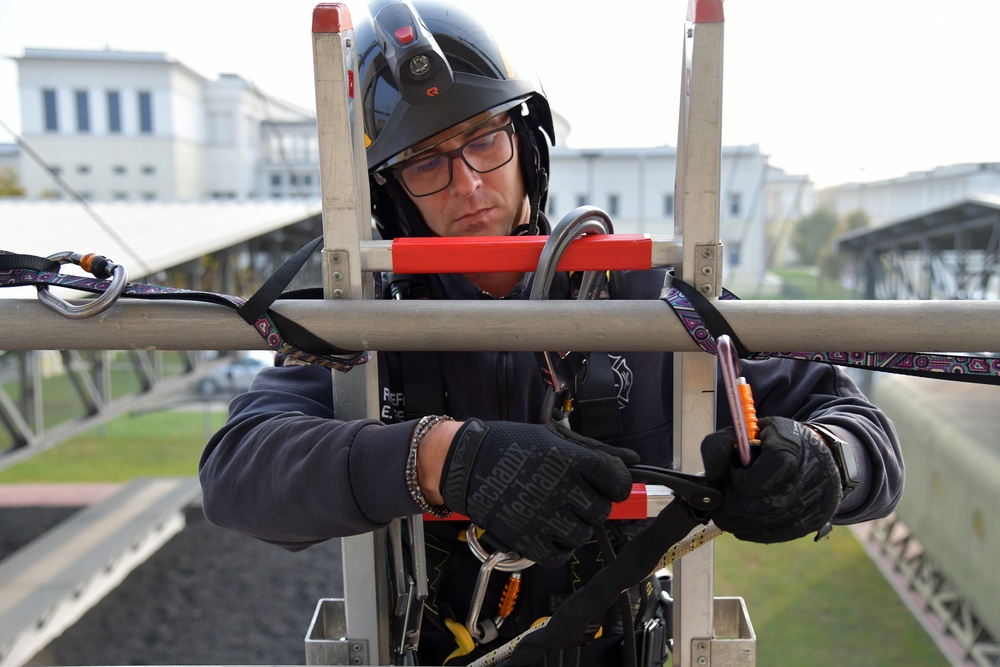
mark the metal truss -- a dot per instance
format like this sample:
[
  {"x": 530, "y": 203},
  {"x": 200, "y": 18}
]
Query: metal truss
[
  {"x": 948, "y": 254},
  {"x": 923, "y": 585},
  {"x": 23, "y": 406}
]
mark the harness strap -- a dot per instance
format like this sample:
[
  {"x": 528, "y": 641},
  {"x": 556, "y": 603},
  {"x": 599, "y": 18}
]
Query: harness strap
[
  {"x": 9, "y": 261},
  {"x": 580, "y": 611},
  {"x": 705, "y": 323},
  {"x": 597, "y": 414},
  {"x": 280, "y": 333}
]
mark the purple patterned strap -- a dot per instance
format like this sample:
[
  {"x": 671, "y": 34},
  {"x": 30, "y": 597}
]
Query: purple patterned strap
[
  {"x": 961, "y": 368},
  {"x": 264, "y": 325}
]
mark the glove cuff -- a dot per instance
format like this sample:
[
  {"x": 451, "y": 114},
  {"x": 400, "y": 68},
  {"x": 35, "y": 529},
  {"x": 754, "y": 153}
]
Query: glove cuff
[{"x": 458, "y": 464}]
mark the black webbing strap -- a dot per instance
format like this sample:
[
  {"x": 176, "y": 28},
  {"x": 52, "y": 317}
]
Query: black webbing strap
[
  {"x": 10, "y": 260},
  {"x": 716, "y": 323},
  {"x": 704, "y": 323},
  {"x": 580, "y": 611},
  {"x": 596, "y": 413},
  {"x": 274, "y": 286}
]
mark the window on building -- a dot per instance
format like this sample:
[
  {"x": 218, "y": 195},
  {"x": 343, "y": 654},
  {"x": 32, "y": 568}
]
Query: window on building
[
  {"x": 276, "y": 180},
  {"x": 735, "y": 203},
  {"x": 146, "y": 112},
  {"x": 149, "y": 196},
  {"x": 82, "y": 111},
  {"x": 553, "y": 206},
  {"x": 668, "y": 205},
  {"x": 51, "y": 112},
  {"x": 733, "y": 250},
  {"x": 119, "y": 196},
  {"x": 581, "y": 200},
  {"x": 148, "y": 169},
  {"x": 114, "y": 112},
  {"x": 119, "y": 170},
  {"x": 293, "y": 179},
  {"x": 307, "y": 179},
  {"x": 83, "y": 168},
  {"x": 55, "y": 170},
  {"x": 613, "y": 201}
]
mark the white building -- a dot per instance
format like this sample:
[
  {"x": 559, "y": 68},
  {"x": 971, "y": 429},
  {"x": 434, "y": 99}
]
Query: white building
[
  {"x": 118, "y": 125},
  {"x": 139, "y": 126},
  {"x": 915, "y": 193},
  {"x": 636, "y": 188}
]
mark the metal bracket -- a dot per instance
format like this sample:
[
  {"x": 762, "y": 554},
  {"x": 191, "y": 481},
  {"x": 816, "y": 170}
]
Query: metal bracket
[
  {"x": 734, "y": 644},
  {"x": 325, "y": 641},
  {"x": 708, "y": 269},
  {"x": 337, "y": 270}
]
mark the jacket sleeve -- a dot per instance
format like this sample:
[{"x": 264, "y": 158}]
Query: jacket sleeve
[
  {"x": 817, "y": 392},
  {"x": 283, "y": 469}
]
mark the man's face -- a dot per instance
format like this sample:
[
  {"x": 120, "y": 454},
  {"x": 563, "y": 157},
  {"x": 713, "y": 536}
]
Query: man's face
[{"x": 475, "y": 204}]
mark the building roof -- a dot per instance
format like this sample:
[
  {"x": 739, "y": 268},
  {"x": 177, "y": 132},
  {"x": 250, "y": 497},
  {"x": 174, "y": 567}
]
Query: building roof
[
  {"x": 968, "y": 224},
  {"x": 143, "y": 237}
]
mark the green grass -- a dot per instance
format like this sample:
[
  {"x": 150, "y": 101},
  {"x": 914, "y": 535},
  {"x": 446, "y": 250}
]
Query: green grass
[
  {"x": 802, "y": 283},
  {"x": 821, "y": 604},
  {"x": 157, "y": 444}
]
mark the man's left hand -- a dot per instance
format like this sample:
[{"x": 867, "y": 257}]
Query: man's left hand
[{"x": 790, "y": 489}]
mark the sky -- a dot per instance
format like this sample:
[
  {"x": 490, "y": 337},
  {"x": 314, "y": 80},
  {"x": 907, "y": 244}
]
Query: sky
[{"x": 840, "y": 90}]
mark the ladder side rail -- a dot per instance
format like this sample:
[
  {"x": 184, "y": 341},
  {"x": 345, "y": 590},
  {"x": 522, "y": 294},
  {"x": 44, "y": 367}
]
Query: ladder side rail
[
  {"x": 346, "y": 224},
  {"x": 697, "y": 188}
]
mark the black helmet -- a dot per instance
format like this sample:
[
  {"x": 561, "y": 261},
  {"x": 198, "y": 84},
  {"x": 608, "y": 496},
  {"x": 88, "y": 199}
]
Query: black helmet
[{"x": 425, "y": 67}]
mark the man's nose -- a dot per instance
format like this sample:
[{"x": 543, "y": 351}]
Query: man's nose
[{"x": 464, "y": 179}]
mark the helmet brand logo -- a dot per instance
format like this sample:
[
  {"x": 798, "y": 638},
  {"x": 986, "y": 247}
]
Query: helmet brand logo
[{"x": 432, "y": 91}]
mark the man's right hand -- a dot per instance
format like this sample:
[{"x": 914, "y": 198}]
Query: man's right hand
[{"x": 538, "y": 490}]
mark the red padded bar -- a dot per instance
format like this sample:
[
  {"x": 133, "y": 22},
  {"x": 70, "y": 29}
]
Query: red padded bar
[{"x": 482, "y": 254}]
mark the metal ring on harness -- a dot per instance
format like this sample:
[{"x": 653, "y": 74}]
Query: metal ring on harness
[
  {"x": 119, "y": 278},
  {"x": 558, "y": 368},
  {"x": 515, "y": 565}
]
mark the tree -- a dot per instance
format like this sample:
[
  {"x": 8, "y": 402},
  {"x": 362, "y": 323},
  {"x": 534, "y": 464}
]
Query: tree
[
  {"x": 10, "y": 184},
  {"x": 812, "y": 235}
]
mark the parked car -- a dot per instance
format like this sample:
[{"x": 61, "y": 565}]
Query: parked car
[{"x": 234, "y": 377}]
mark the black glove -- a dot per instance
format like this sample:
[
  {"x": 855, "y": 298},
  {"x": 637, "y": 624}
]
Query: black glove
[
  {"x": 791, "y": 488},
  {"x": 537, "y": 490}
]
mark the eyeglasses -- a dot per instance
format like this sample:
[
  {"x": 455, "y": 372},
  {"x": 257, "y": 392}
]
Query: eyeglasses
[{"x": 483, "y": 154}]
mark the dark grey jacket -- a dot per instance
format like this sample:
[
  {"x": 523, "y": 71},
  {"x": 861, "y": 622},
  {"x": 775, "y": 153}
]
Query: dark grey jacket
[{"x": 285, "y": 470}]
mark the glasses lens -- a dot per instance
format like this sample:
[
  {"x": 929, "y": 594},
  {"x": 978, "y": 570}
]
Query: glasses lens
[
  {"x": 488, "y": 152},
  {"x": 427, "y": 176},
  {"x": 484, "y": 153}
]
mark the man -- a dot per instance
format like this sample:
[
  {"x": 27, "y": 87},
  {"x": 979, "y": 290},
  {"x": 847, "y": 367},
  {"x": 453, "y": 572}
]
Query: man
[{"x": 463, "y": 151}]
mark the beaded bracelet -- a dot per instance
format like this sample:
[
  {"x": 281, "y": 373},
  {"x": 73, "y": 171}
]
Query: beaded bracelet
[{"x": 412, "y": 479}]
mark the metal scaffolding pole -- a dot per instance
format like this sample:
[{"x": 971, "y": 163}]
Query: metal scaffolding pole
[{"x": 634, "y": 326}]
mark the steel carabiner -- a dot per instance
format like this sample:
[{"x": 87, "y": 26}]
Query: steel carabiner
[{"x": 100, "y": 267}]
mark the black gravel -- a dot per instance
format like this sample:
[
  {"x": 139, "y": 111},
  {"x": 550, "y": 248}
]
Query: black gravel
[{"x": 208, "y": 597}]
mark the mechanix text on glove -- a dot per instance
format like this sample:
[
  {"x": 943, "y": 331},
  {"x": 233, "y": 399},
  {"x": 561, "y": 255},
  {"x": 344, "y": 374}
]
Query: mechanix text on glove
[{"x": 537, "y": 490}]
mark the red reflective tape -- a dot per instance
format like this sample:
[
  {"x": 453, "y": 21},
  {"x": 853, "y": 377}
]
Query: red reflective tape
[
  {"x": 482, "y": 254},
  {"x": 331, "y": 17},
  {"x": 705, "y": 11},
  {"x": 633, "y": 507}
]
